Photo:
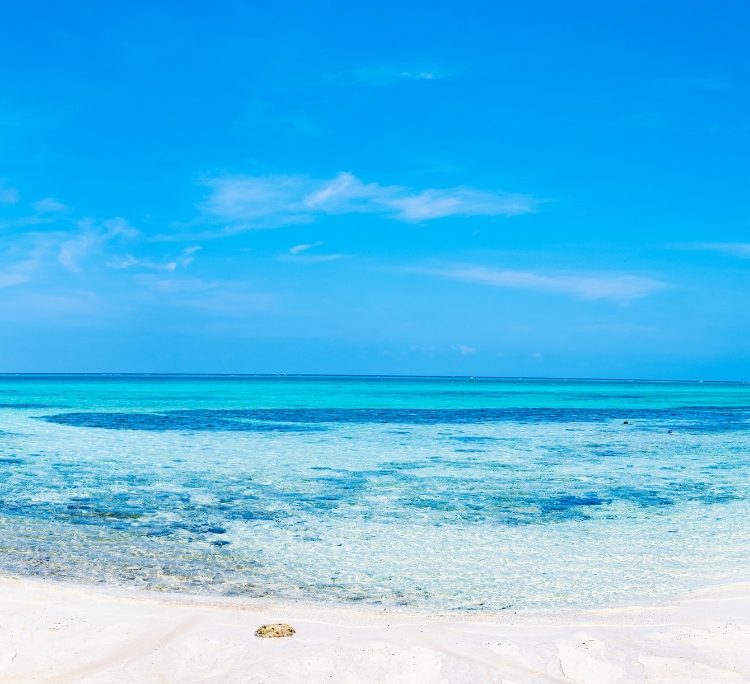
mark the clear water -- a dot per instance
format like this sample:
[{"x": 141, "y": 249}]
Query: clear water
[{"x": 432, "y": 493}]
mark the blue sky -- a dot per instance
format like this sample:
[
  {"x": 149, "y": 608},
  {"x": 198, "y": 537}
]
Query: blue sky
[{"x": 542, "y": 189}]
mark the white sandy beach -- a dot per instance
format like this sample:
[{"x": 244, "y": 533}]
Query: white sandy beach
[{"x": 65, "y": 633}]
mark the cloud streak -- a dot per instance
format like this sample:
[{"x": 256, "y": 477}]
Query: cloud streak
[
  {"x": 311, "y": 258},
  {"x": 387, "y": 75},
  {"x": 267, "y": 201},
  {"x": 47, "y": 210},
  {"x": 89, "y": 240},
  {"x": 616, "y": 287},
  {"x": 302, "y": 248},
  {"x": 49, "y": 205},
  {"x": 736, "y": 249},
  {"x": 129, "y": 261},
  {"x": 8, "y": 279}
]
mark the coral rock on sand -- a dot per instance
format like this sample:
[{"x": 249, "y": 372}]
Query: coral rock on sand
[{"x": 274, "y": 631}]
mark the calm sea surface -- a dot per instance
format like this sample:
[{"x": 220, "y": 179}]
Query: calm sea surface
[{"x": 429, "y": 493}]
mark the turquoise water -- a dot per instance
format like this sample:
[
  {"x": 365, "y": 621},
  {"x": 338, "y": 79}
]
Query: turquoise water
[{"x": 429, "y": 493}]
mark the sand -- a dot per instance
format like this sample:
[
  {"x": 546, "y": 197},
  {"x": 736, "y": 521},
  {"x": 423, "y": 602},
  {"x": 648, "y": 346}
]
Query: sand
[{"x": 65, "y": 633}]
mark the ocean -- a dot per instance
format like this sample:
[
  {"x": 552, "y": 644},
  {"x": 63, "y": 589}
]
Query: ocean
[{"x": 427, "y": 494}]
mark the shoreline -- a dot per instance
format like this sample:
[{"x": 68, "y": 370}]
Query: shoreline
[
  {"x": 636, "y": 608},
  {"x": 66, "y": 632}
]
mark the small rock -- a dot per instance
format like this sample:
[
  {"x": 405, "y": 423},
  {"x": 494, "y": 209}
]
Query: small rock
[{"x": 274, "y": 631}]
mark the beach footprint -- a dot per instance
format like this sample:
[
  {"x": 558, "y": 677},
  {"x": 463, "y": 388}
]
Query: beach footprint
[{"x": 585, "y": 660}]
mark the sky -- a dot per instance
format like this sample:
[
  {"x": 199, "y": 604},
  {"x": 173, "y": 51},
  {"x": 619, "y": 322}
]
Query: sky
[{"x": 557, "y": 189}]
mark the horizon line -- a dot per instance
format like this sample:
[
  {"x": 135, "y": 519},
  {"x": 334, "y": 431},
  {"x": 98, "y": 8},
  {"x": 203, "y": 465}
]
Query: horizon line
[{"x": 360, "y": 375}]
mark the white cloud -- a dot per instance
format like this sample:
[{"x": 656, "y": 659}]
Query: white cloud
[
  {"x": 123, "y": 262},
  {"x": 467, "y": 350},
  {"x": 118, "y": 226},
  {"x": 129, "y": 261},
  {"x": 72, "y": 250},
  {"x": 90, "y": 239},
  {"x": 302, "y": 248},
  {"x": 49, "y": 205},
  {"x": 8, "y": 279},
  {"x": 187, "y": 256},
  {"x": 618, "y": 287},
  {"x": 265, "y": 201},
  {"x": 258, "y": 201},
  {"x": 460, "y": 201}
]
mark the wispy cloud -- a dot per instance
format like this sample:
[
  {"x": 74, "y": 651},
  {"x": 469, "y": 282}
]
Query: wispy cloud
[
  {"x": 312, "y": 258},
  {"x": 129, "y": 261},
  {"x": 187, "y": 256},
  {"x": 49, "y": 205},
  {"x": 266, "y": 201},
  {"x": 617, "y": 287},
  {"x": 90, "y": 239},
  {"x": 387, "y": 75},
  {"x": 296, "y": 254},
  {"x": 72, "y": 250},
  {"x": 467, "y": 350},
  {"x": 46, "y": 210},
  {"x": 8, "y": 279},
  {"x": 736, "y": 249},
  {"x": 303, "y": 248}
]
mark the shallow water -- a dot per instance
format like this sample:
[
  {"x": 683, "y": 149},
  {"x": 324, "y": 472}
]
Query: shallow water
[{"x": 434, "y": 493}]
